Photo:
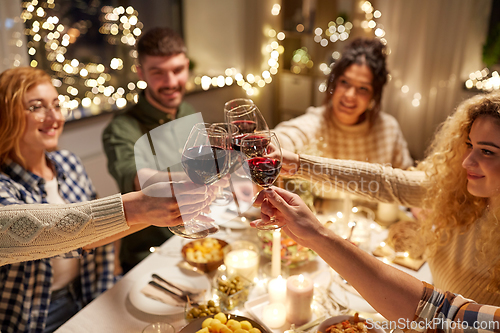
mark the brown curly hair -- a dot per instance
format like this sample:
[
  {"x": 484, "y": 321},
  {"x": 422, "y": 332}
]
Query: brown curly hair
[
  {"x": 449, "y": 206},
  {"x": 14, "y": 83},
  {"x": 362, "y": 51}
]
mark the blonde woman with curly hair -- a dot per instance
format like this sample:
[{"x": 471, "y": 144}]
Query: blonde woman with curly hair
[{"x": 458, "y": 185}]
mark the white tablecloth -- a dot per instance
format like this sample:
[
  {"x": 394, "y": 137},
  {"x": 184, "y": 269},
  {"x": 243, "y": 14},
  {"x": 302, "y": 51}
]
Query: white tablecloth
[{"x": 113, "y": 311}]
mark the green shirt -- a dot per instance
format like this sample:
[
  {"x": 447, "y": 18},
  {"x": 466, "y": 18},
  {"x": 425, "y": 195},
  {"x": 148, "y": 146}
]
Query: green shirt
[
  {"x": 119, "y": 138},
  {"x": 124, "y": 130}
]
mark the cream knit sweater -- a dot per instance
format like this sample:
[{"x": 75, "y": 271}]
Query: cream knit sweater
[
  {"x": 57, "y": 229},
  {"x": 310, "y": 134},
  {"x": 455, "y": 266}
]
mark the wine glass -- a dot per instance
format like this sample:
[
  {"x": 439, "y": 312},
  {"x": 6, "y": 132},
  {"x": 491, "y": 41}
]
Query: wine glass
[
  {"x": 205, "y": 161},
  {"x": 263, "y": 158},
  {"x": 224, "y": 197},
  {"x": 243, "y": 113}
]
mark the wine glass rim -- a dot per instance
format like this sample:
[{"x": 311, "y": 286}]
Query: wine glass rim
[
  {"x": 235, "y": 129},
  {"x": 242, "y": 109},
  {"x": 262, "y": 134},
  {"x": 244, "y": 101}
]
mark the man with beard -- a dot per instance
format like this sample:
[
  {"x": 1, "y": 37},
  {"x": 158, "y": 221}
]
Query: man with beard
[{"x": 164, "y": 66}]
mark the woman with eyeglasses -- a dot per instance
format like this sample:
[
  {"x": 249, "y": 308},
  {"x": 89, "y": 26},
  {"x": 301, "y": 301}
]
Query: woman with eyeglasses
[
  {"x": 350, "y": 125},
  {"x": 42, "y": 293}
]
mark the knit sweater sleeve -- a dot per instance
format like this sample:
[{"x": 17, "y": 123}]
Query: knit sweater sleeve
[
  {"x": 35, "y": 231},
  {"x": 368, "y": 180},
  {"x": 297, "y": 133}
]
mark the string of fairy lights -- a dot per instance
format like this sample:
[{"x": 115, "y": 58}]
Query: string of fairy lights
[{"x": 91, "y": 86}]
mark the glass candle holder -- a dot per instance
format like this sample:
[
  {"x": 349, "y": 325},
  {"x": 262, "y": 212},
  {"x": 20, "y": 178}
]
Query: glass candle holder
[{"x": 241, "y": 258}]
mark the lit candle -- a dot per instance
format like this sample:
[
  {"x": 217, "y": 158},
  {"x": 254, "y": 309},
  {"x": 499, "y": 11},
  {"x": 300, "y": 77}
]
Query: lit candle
[
  {"x": 277, "y": 290},
  {"x": 276, "y": 254},
  {"x": 347, "y": 208},
  {"x": 299, "y": 296},
  {"x": 242, "y": 262},
  {"x": 387, "y": 212},
  {"x": 274, "y": 315}
]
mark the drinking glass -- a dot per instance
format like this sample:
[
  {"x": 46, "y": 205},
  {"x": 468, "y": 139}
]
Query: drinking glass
[
  {"x": 243, "y": 113},
  {"x": 205, "y": 161},
  {"x": 223, "y": 196},
  {"x": 263, "y": 158}
]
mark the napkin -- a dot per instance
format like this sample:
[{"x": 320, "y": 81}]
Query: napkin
[{"x": 164, "y": 297}]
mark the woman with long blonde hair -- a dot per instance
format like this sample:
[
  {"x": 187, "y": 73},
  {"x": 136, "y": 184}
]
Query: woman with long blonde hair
[{"x": 458, "y": 185}]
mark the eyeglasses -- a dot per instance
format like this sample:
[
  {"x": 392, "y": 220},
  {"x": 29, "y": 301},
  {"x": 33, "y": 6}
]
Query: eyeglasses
[{"x": 40, "y": 111}]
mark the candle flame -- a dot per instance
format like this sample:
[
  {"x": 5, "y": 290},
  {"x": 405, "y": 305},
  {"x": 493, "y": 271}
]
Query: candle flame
[{"x": 301, "y": 278}]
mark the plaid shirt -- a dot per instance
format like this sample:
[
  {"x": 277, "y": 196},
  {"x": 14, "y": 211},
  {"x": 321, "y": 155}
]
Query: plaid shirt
[
  {"x": 25, "y": 287},
  {"x": 446, "y": 312}
]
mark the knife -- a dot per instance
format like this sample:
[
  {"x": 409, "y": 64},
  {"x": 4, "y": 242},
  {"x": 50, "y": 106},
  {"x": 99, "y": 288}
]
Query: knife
[{"x": 171, "y": 293}]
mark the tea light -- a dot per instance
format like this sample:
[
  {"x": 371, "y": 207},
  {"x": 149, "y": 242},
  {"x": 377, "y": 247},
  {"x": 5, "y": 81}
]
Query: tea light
[
  {"x": 277, "y": 290},
  {"x": 387, "y": 212},
  {"x": 274, "y": 315},
  {"x": 242, "y": 262},
  {"x": 276, "y": 254},
  {"x": 299, "y": 296}
]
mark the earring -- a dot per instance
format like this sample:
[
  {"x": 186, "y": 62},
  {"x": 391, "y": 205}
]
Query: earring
[{"x": 372, "y": 104}]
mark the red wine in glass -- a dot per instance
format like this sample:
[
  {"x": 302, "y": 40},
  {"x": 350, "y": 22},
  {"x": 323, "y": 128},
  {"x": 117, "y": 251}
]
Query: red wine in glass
[
  {"x": 263, "y": 171},
  {"x": 205, "y": 165},
  {"x": 245, "y": 126},
  {"x": 263, "y": 157}
]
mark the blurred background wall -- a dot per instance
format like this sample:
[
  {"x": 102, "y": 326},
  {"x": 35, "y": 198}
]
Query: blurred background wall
[{"x": 435, "y": 47}]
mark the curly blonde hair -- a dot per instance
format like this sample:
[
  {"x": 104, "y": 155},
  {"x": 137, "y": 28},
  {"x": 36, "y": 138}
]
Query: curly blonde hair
[
  {"x": 450, "y": 207},
  {"x": 14, "y": 83}
]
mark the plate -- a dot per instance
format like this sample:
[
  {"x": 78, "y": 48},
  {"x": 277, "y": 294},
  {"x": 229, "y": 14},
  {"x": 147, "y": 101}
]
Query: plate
[
  {"x": 337, "y": 319},
  {"x": 356, "y": 303},
  {"x": 174, "y": 274},
  {"x": 195, "y": 325}
]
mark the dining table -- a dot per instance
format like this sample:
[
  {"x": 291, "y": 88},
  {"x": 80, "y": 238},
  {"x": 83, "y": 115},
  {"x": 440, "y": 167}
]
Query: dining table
[{"x": 116, "y": 311}]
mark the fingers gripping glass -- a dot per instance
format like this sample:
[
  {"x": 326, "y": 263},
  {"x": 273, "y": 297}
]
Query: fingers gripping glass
[
  {"x": 263, "y": 158},
  {"x": 205, "y": 161},
  {"x": 40, "y": 112}
]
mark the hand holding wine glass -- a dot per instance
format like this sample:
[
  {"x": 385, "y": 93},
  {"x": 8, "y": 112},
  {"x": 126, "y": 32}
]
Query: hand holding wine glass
[
  {"x": 263, "y": 158},
  {"x": 205, "y": 160}
]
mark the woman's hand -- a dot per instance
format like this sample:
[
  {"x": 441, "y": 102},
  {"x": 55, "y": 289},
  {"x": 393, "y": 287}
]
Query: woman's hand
[
  {"x": 290, "y": 164},
  {"x": 291, "y": 213},
  {"x": 155, "y": 205}
]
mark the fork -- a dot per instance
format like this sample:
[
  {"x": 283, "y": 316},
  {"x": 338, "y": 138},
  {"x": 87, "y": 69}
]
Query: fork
[{"x": 184, "y": 293}]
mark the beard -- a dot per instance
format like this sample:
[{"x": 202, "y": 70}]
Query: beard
[{"x": 169, "y": 103}]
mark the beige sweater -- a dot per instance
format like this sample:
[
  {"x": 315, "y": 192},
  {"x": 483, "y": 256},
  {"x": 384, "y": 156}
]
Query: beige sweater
[
  {"x": 310, "y": 134},
  {"x": 57, "y": 229},
  {"x": 455, "y": 266}
]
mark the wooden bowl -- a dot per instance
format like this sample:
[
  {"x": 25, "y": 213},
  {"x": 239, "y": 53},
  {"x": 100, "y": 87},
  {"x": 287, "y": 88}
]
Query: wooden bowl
[{"x": 210, "y": 265}]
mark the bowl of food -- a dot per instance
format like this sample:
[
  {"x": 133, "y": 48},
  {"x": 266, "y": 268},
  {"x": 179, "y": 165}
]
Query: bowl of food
[
  {"x": 292, "y": 254},
  {"x": 348, "y": 324},
  {"x": 232, "y": 291},
  {"x": 223, "y": 322},
  {"x": 193, "y": 312},
  {"x": 205, "y": 254}
]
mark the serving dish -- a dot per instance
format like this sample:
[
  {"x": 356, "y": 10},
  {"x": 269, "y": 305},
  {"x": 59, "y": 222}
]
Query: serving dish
[
  {"x": 338, "y": 319},
  {"x": 205, "y": 254},
  {"x": 195, "y": 325}
]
